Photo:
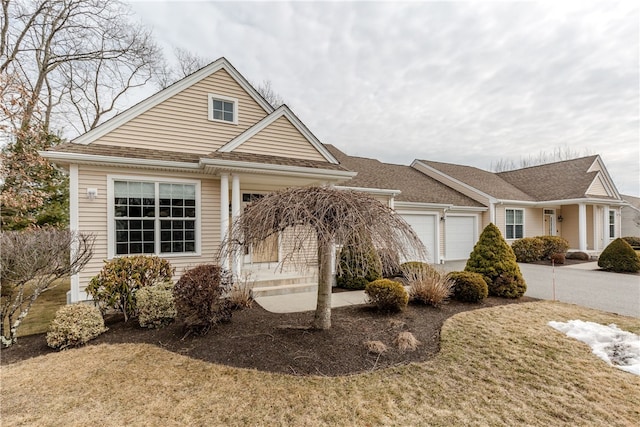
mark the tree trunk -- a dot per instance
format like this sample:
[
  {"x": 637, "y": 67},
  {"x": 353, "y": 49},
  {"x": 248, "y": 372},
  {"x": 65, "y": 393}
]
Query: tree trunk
[{"x": 322, "y": 318}]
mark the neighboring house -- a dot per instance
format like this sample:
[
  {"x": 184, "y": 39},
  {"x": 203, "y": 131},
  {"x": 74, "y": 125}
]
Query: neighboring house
[
  {"x": 631, "y": 216},
  {"x": 575, "y": 199},
  {"x": 447, "y": 221},
  {"x": 168, "y": 175}
]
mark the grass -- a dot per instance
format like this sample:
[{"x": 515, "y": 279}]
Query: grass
[
  {"x": 497, "y": 366},
  {"x": 44, "y": 309}
]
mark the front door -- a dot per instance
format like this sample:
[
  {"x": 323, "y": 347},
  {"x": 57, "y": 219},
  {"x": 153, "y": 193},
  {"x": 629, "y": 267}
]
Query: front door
[
  {"x": 549, "y": 222},
  {"x": 265, "y": 251}
]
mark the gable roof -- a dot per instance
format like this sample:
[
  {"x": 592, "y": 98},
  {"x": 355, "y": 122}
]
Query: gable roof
[
  {"x": 486, "y": 182},
  {"x": 413, "y": 185},
  {"x": 282, "y": 111},
  {"x": 568, "y": 179},
  {"x": 175, "y": 88}
]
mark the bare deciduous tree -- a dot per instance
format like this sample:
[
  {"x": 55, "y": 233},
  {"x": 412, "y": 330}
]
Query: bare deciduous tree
[
  {"x": 76, "y": 57},
  {"x": 187, "y": 63},
  {"x": 544, "y": 157},
  {"x": 31, "y": 262},
  {"x": 270, "y": 95},
  {"x": 328, "y": 216}
]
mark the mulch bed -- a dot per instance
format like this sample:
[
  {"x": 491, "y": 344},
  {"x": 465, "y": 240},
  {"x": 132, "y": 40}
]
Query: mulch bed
[{"x": 258, "y": 339}]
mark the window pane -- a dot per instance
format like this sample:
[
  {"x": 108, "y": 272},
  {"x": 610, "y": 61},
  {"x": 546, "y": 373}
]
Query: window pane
[
  {"x": 148, "y": 190},
  {"x": 149, "y": 248},
  {"x": 189, "y": 235},
  {"x": 120, "y": 189},
  {"x": 177, "y": 212},
  {"x": 509, "y": 216},
  {"x": 122, "y": 236},
  {"x": 509, "y": 231},
  {"x": 189, "y": 246},
  {"x": 190, "y": 212},
  {"x": 120, "y": 211},
  {"x": 190, "y": 193},
  {"x": 217, "y": 115},
  {"x": 135, "y": 248},
  {"x": 122, "y": 249},
  {"x": 122, "y": 224},
  {"x": 165, "y": 236},
  {"x": 217, "y": 105},
  {"x": 228, "y": 106},
  {"x": 519, "y": 216},
  {"x": 135, "y": 211},
  {"x": 189, "y": 225},
  {"x": 519, "y": 231},
  {"x": 149, "y": 212},
  {"x": 165, "y": 247},
  {"x": 228, "y": 117},
  {"x": 176, "y": 247}
]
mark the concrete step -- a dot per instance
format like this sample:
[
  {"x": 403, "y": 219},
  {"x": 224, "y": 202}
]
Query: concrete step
[
  {"x": 265, "y": 291},
  {"x": 282, "y": 280}
]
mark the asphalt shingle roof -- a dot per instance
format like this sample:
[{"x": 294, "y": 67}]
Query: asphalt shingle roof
[{"x": 413, "y": 184}]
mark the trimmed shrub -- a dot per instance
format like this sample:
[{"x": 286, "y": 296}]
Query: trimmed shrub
[
  {"x": 492, "y": 257},
  {"x": 387, "y": 295},
  {"x": 119, "y": 280},
  {"x": 75, "y": 325},
  {"x": 553, "y": 245},
  {"x": 468, "y": 286},
  {"x": 427, "y": 286},
  {"x": 359, "y": 264},
  {"x": 582, "y": 256},
  {"x": 558, "y": 258},
  {"x": 199, "y": 298},
  {"x": 528, "y": 249},
  {"x": 619, "y": 257},
  {"x": 156, "y": 307},
  {"x": 508, "y": 285}
]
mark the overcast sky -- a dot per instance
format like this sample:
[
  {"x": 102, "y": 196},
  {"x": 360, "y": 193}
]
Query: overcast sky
[{"x": 467, "y": 83}]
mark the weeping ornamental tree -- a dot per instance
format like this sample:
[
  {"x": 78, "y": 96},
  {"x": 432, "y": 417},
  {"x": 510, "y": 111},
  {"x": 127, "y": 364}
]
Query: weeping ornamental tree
[{"x": 327, "y": 216}]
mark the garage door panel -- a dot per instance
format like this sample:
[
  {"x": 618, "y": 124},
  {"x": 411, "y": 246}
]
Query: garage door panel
[
  {"x": 425, "y": 227},
  {"x": 459, "y": 236}
]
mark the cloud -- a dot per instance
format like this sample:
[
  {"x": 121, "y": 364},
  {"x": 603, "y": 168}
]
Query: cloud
[{"x": 465, "y": 83}]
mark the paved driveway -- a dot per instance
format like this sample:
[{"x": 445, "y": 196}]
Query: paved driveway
[{"x": 580, "y": 284}]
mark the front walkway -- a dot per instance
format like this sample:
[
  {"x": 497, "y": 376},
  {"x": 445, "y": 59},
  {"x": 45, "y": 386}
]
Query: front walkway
[{"x": 580, "y": 284}]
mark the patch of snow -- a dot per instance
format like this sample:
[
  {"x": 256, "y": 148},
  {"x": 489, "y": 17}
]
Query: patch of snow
[{"x": 613, "y": 345}]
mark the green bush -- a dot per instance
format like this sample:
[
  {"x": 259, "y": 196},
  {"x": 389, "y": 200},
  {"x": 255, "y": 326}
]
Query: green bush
[
  {"x": 553, "y": 245},
  {"x": 156, "y": 307},
  {"x": 387, "y": 295},
  {"x": 508, "y": 285},
  {"x": 528, "y": 249},
  {"x": 558, "y": 258},
  {"x": 619, "y": 257},
  {"x": 75, "y": 325},
  {"x": 359, "y": 264},
  {"x": 492, "y": 257},
  {"x": 468, "y": 286},
  {"x": 198, "y": 297},
  {"x": 119, "y": 280},
  {"x": 582, "y": 256}
]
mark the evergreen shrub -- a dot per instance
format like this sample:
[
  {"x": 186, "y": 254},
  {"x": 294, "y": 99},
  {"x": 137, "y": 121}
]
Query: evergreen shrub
[
  {"x": 468, "y": 286},
  {"x": 119, "y": 280},
  {"x": 156, "y": 307},
  {"x": 387, "y": 295},
  {"x": 619, "y": 257},
  {"x": 75, "y": 325},
  {"x": 528, "y": 249},
  {"x": 492, "y": 257},
  {"x": 553, "y": 245},
  {"x": 359, "y": 264}
]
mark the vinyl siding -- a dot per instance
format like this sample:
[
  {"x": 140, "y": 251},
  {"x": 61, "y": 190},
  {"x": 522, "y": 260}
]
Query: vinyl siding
[
  {"x": 597, "y": 188},
  {"x": 305, "y": 258},
  {"x": 283, "y": 139},
  {"x": 93, "y": 217},
  {"x": 181, "y": 122}
]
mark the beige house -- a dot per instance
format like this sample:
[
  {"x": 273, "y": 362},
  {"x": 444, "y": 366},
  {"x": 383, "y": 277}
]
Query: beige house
[
  {"x": 631, "y": 216},
  {"x": 169, "y": 175},
  {"x": 575, "y": 199}
]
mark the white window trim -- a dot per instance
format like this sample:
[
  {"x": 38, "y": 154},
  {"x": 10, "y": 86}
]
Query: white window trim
[
  {"x": 213, "y": 96},
  {"x": 614, "y": 224},
  {"x": 111, "y": 229},
  {"x": 524, "y": 221}
]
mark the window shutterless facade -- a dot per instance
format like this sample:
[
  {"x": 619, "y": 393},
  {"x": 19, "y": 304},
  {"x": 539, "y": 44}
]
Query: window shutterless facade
[
  {"x": 153, "y": 217},
  {"x": 514, "y": 223},
  {"x": 223, "y": 109},
  {"x": 612, "y": 224}
]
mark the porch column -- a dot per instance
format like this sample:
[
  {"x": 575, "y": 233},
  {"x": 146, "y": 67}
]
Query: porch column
[
  {"x": 235, "y": 213},
  {"x": 582, "y": 226},
  {"x": 605, "y": 227},
  {"x": 224, "y": 213}
]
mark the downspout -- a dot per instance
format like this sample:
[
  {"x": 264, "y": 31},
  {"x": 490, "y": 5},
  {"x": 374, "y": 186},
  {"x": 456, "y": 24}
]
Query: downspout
[{"x": 443, "y": 221}]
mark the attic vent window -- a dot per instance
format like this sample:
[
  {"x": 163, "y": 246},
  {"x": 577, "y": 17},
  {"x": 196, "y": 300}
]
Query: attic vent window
[{"x": 223, "y": 109}]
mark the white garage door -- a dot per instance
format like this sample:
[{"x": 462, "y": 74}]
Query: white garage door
[
  {"x": 460, "y": 236},
  {"x": 425, "y": 228}
]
